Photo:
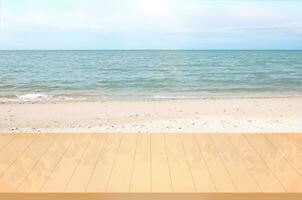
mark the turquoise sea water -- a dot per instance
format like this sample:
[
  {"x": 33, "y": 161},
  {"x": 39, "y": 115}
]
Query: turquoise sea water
[{"x": 44, "y": 75}]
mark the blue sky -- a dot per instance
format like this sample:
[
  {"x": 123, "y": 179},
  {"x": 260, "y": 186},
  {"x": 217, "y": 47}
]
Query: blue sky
[{"x": 150, "y": 24}]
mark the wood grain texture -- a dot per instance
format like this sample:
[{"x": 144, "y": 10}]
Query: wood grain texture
[{"x": 155, "y": 163}]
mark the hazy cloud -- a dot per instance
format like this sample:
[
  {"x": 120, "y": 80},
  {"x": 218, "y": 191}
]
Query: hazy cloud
[{"x": 162, "y": 24}]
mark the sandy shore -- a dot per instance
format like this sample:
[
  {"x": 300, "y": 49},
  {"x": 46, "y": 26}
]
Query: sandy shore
[{"x": 195, "y": 116}]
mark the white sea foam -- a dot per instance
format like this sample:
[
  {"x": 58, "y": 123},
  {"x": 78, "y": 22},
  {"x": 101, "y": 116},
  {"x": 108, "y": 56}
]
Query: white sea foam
[
  {"x": 33, "y": 97},
  {"x": 38, "y": 97},
  {"x": 171, "y": 97}
]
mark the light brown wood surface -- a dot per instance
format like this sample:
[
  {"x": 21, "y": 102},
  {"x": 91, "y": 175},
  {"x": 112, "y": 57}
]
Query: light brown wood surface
[{"x": 150, "y": 163}]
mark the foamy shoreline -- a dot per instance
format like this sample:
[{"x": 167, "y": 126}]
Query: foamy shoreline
[
  {"x": 164, "y": 116},
  {"x": 35, "y": 98}
]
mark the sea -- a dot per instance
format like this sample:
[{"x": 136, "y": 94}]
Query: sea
[{"x": 148, "y": 74}]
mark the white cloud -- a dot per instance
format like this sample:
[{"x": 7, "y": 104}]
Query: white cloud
[
  {"x": 149, "y": 15},
  {"x": 183, "y": 20}
]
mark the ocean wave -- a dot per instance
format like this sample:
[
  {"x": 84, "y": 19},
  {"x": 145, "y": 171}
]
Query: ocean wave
[
  {"x": 38, "y": 97},
  {"x": 34, "y": 97},
  {"x": 171, "y": 97}
]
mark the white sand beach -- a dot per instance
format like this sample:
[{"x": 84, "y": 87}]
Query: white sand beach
[{"x": 247, "y": 115}]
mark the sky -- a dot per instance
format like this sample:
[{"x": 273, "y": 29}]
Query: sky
[{"x": 151, "y": 24}]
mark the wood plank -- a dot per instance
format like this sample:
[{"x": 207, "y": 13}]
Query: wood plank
[
  {"x": 220, "y": 175},
  {"x": 42, "y": 170},
  {"x": 101, "y": 173},
  {"x": 289, "y": 151},
  {"x": 80, "y": 178},
  {"x": 181, "y": 176},
  {"x": 58, "y": 179},
  {"x": 151, "y": 162},
  {"x": 242, "y": 177},
  {"x": 24, "y": 163},
  {"x": 161, "y": 178},
  {"x": 262, "y": 173},
  {"x": 201, "y": 174},
  {"x": 295, "y": 139},
  {"x": 12, "y": 151},
  {"x": 289, "y": 178},
  {"x": 121, "y": 174},
  {"x": 5, "y": 139},
  {"x": 151, "y": 196},
  {"x": 141, "y": 178}
]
